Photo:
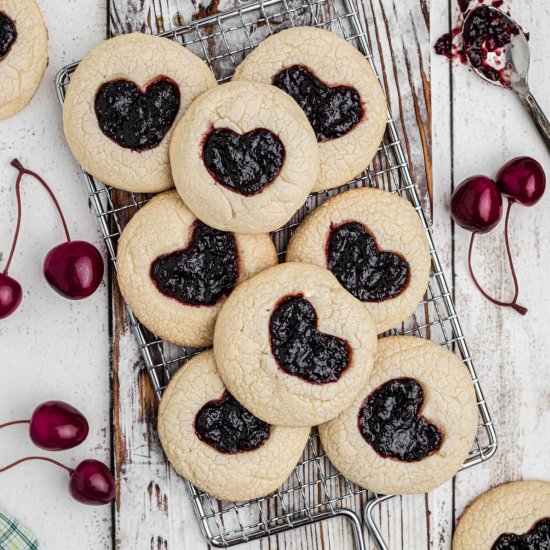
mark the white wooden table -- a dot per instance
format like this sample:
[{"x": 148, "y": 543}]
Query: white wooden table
[{"x": 52, "y": 348}]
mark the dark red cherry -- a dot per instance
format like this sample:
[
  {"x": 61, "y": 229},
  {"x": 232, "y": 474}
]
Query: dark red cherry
[
  {"x": 92, "y": 483},
  {"x": 523, "y": 180},
  {"x": 74, "y": 269},
  {"x": 10, "y": 295},
  {"x": 476, "y": 204},
  {"x": 56, "y": 426}
]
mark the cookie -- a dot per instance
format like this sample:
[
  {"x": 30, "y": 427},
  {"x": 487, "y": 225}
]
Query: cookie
[
  {"x": 336, "y": 87},
  {"x": 23, "y": 54},
  {"x": 216, "y": 444},
  {"x": 123, "y": 103},
  {"x": 293, "y": 346},
  {"x": 244, "y": 157},
  {"x": 511, "y": 516},
  {"x": 412, "y": 426},
  {"x": 375, "y": 244},
  {"x": 175, "y": 272}
]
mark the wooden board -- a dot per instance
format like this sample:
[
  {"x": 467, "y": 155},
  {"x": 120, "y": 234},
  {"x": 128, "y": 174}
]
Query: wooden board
[{"x": 152, "y": 503}]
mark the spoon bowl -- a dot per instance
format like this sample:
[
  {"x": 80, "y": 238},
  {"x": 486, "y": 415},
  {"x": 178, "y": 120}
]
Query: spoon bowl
[{"x": 497, "y": 50}]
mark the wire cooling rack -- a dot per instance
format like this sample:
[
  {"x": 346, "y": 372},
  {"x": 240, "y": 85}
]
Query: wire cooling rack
[{"x": 315, "y": 491}]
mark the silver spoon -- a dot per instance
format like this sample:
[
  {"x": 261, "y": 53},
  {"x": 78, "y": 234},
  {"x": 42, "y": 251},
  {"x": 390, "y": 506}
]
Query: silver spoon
[{"x": 515, "y": 58}]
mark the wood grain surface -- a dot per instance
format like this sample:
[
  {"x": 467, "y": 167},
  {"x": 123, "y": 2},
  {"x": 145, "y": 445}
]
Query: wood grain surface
[{"x": 153, "y": 505}]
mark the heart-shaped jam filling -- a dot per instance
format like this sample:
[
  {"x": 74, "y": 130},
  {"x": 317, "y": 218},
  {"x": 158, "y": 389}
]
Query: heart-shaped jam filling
[
  {"x": 244, "y": 163},
  {"x": 136, "y": 118},
  {"x": 332, "y": 111},
  {"x": 389, "y": 422},
  {"x": 363, "y": 270},
  {"x": 300, "y": 349},
  {"x": 202, "y": 273},
  {"x": 228, "y": 427},
  {"x": 537, "y": 538},
  {"x": 8, "y": 34}
]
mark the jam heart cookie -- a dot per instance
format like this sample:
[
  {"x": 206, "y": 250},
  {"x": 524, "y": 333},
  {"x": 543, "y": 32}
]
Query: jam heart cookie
[
  {"x": 23, "y": 54},
  {"x": 244, "y": 157},
  {"x": 412, "y": 426},
  {"x": 337, "y": 89},
  {"x": 175, "y": 272},
  {"x": 511, "y": 516},
  {"x": 216, "y": 444},
  {"x": 374, "y": 243},
  {"x": 122, "y": 104},
  {"x": 293, "y": 346}
]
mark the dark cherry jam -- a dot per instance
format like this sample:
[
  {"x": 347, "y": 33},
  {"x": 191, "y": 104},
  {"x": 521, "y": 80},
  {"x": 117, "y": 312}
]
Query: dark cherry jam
[
  {"x": 389, "y": 422},
  {"x": 300, "y": 349},
  {"x": 244, "y": 163},
  {"x": 362, "y": 269},
  {"x": 228, "y": 427},
  {"x": 332, "y": 111},
  {"x": 137, "y": 119},
  {"x": 8, "y": 34},
  {"x": 203, "y": 272},
  {"x": 486, "y": 31},
  {"x": 444, "y": 45},
  {"x": 537, "y": 538}
]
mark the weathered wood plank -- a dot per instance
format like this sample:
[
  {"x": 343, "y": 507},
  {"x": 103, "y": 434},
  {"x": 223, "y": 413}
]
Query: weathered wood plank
[
  {"x": 489, "y": 128},
  {"x": 480, "y": 127},
  {"x": 398, "y": 36},
  {"x": 404, "y": 66}
]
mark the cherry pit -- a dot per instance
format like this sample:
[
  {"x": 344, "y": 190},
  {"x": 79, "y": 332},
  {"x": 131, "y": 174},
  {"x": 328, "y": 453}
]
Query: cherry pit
[
  {"x": 57, "y": 426},
  {"x": 476, "y": 205},
  {"x": 74, "y": 269}
]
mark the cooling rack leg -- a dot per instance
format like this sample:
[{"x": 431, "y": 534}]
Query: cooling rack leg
[
  {"x": 356, "y": 527},
  {"x": 349, "y": 515},
  {"x": 369, "y": 520}
]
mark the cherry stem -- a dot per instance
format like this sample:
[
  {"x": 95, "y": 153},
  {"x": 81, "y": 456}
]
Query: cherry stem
[
  {"x": 14, "y": 422},
  {"x": 22, "y": 171},
  {"x": 513, "y": 304},
  {"x": 45, "y": 458}
]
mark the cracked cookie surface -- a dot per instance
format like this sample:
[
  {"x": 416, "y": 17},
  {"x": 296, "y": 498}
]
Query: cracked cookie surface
[
  {"x": 273, "y": 385},
  {"x": 233, "y": 476},
  {"x": 23, "y": 54},
  {"x": 244, "y": 108},
  {"x": 164, "y": 226},
  {"x": 395, "y": 229},
  {"x": 349, "y": 112},
  {"x": 448, "y": 404},
  {"x": 504, "y": 512},
  {"x": 131, "y": 68}
]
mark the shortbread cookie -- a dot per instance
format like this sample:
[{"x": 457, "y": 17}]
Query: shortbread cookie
[
  {"x": 23, "y": 54},
  {"x": 293, "y": 346},
  {"x": 175, "y": 272},
  {"x": 216, "y": 444},
  {"x": 244, "y": 157},
  {"x": 374, "y": 243},
  {"x": 511, "y": 516},
  {"x": 123, "y": 103},
  {"x": 336, "y": 87},
  {"x": 412, "y": 426}
]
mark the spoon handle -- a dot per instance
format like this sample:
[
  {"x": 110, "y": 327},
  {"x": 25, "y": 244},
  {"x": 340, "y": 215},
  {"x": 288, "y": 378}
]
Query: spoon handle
[{"x": 537, "y": 115}]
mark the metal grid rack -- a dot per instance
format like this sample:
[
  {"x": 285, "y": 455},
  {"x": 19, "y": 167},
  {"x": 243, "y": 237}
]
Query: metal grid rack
[{"x": 315, "y": 491}]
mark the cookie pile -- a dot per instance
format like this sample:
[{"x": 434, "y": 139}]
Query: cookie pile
[{"x": 294, "y": 344}]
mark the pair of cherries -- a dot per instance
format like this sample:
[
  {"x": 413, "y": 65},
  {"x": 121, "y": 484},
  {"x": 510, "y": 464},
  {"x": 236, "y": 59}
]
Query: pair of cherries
[
  {"x": 58, "y": 426},
  {"x": 476, "y": 205},
  {"x": 74, "y": 269}
]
